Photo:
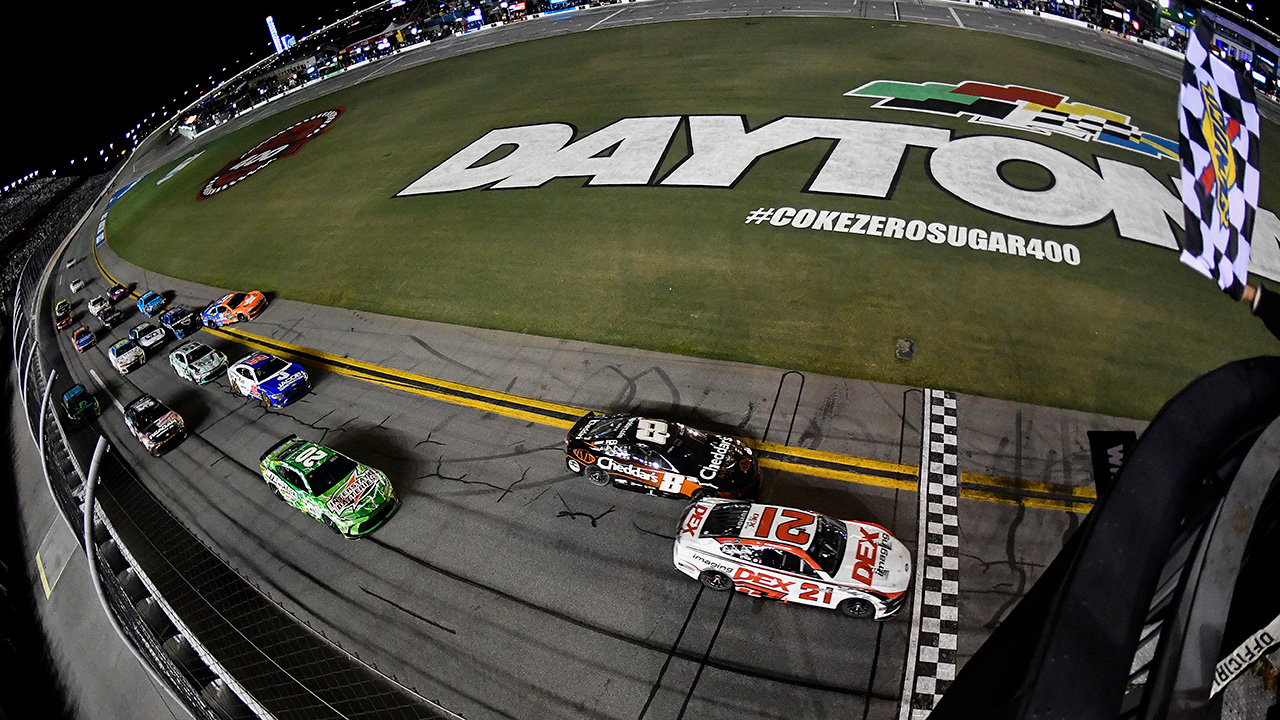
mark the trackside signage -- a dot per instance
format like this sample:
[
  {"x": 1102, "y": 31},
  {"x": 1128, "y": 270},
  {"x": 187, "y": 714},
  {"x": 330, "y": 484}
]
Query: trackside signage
[{"x": 865, "y": 160}]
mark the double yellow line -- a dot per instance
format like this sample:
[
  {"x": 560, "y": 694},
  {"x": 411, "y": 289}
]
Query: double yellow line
[{"x": 815, "y": 463}]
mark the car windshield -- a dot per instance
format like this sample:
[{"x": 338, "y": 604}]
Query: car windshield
[
  {"x": 235, "y": 300},
  {"x": 72, "y": 393},
  {"x": 198, "y": 353},
  {"x": 330, "y": 473},
  {"x": 124, "y": 346},
  {"x": 610, "y": 428},
  {"x": 681, "y": 450},
  {"x": 144, "y": 329},
  {"x": 147, "y": 412},
  {"x": 271, "y": 367},
  {"x": 828, "y": 545},
  {"x": 726, "y": 521}
]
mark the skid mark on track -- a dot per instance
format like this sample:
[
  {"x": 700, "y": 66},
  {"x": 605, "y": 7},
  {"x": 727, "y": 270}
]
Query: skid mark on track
[
  {"x": 662, "y": 672},
  {"x": 573, "y": 514},
  {"x": 448, "y": 360},
  {"x": 407, "y": 611},
  {"x": 640, "y": 642}
]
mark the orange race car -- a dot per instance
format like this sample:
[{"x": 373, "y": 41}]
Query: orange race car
[{"x": 233, "y": 308}]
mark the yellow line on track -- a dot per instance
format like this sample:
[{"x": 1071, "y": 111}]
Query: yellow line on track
[
  {"x": 842, "y": 475},
  {"x": 44, "y": 580},
  {"x": 848, "y": 468}
]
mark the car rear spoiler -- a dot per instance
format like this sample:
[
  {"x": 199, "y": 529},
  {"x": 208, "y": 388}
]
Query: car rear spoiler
[
  {"x": 276, "y": 447},
  {"x": 573, "y": 431}
]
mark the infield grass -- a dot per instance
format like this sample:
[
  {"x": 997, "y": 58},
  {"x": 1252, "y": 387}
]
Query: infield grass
[{"x": 676, "y": 269}]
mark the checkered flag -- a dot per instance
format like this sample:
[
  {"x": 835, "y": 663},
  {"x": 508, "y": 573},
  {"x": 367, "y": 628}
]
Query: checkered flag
[{"x": 1219, "y": 153}]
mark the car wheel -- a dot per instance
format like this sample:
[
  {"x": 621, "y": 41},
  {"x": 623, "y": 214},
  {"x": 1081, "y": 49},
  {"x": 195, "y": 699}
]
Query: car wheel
[
  {"x": 328, "y": 521},
  {"x": 698, "y": 494},
  {"x": 857, "y": 608},
  {"x": 715, "y": 580},
  {"x": 575, "y": 467},
  {"x": 241, "y": 318},
  {"x": 597, "y": 476},
  {"x": 275, "y": 491}
]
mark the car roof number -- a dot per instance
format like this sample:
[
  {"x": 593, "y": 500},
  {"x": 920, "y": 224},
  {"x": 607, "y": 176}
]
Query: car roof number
[
  {"x": 654, "y": 431},
  {"x": 796, "y": 526},
  {"x": 311, "y": 456}
]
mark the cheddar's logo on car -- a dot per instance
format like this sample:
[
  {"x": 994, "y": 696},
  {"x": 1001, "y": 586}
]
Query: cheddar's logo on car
[{"x": 283, "y": 144}]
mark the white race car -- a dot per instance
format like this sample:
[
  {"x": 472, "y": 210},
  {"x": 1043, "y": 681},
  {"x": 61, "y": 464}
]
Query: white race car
[
  {"x": 76, "y": 285},
  {"x": 97, "y": 304},
  {"x": 126, "y": 355},
  {"x": 794, "y": 556},
  {"x": 197, "y": 362},
  {"x": 147, "y": 335}
]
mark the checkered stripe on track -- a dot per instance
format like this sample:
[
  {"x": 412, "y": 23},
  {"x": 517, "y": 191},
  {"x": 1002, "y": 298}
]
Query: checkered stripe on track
[{"x": 931, "y": 662}]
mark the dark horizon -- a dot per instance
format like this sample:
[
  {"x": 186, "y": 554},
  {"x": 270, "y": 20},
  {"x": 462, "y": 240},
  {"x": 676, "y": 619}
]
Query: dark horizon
[
  {"x": 127, "y": 69},
  {"x": 90, "y": 79}
]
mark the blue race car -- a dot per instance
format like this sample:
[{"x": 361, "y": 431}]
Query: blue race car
[
  {"x": 269, "y": 379},
  {"x": 150, "y": 303},
  {"x": 83, "y": 338},
  {"x": 180, "y": 321}
]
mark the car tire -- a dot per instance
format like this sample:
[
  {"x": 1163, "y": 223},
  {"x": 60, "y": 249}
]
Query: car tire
[
  {"x": 715, "y": 580},
  {"x": 597, "y": 476},
  {"x": 857, "y": 608},
  {"x": 574, "y": 466},
  {"x": 275, "y": 491},
  {"x": 329, "y": 523},
  {"x": 698, "y": 494},
  {"x": 241, "y": 318}
]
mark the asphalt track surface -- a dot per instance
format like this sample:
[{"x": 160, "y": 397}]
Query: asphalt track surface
[{"x": 508, "y": 587}]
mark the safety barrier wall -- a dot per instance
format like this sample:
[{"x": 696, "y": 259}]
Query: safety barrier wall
[
  {"x": 65, "y": 478},
  {"x": 223, "y": 648}
]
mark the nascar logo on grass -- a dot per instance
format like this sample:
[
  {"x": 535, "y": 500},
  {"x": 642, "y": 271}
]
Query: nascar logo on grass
[{"x": 1020, "y": 108}]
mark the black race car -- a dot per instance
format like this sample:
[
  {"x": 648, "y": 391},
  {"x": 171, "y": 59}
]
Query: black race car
[
  {"x": 179, "y": 321},
  {"x": 110, "y": 316},
  {"x": 660, "y": 457},
  {"x": 156, "y": 426}
]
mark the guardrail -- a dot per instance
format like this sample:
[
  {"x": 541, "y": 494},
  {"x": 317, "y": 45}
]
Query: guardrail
[
  {"x": 221, "y": 647},
  {"x": 65, "y": 479}
]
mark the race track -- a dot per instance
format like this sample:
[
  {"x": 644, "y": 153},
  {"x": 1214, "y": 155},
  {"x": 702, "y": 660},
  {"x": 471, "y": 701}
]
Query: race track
[{"x": 508, "y": 587}]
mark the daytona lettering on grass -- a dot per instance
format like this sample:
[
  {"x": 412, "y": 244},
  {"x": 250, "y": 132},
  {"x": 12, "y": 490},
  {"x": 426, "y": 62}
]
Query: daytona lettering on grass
[{"x": 917, "y": 230}]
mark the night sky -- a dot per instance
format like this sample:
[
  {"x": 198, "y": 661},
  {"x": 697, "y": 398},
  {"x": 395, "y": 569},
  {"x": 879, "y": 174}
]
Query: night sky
[{"x": 81, "y": 75}]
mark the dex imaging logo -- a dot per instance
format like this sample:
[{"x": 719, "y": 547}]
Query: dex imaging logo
[{"x": 283, "y": 144}]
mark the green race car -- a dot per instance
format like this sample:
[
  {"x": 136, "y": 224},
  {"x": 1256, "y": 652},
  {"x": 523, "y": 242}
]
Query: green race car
[
  {"x": 350, "y": 498},
  {"x": 79, "y": 405}
]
